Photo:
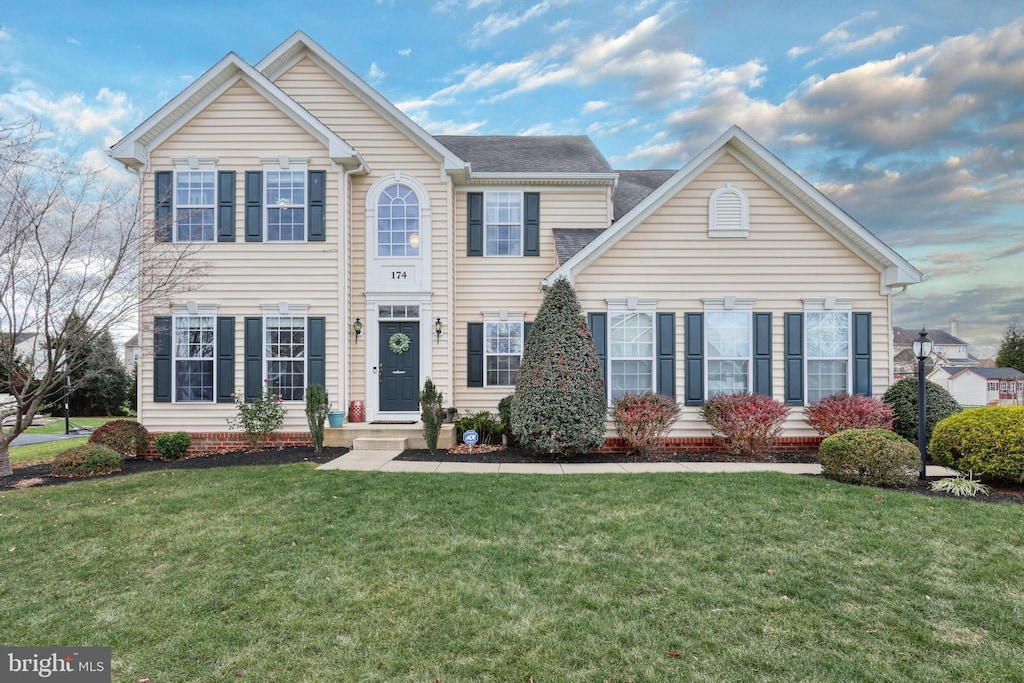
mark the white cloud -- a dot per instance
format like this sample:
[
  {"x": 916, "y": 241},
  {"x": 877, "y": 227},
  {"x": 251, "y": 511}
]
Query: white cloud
[
  {"x": 594, "y": 105},
  {"x": 539, "y": 129},
  {"x": 795, "y": 52},
  {"x": 376, "y": 74},
  {"x": 4, "y": 35},
  {"x": 446, "y": 127},
  {"x": 496, "y": 24},
  {"x": 405, "y": 52},
  {"x": 73, "y": 41},
  {"x": 73, "y": 113}
]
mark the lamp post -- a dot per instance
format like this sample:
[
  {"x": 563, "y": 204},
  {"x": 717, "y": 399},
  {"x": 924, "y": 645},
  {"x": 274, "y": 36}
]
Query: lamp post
[{"x": 922, "y": 349}]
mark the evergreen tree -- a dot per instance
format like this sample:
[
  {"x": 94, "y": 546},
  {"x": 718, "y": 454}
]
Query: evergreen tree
[
  {"x": 102, "y": 388},
  {"x": 1011, "y": 353},
  {"x": 559, "y": 404}
]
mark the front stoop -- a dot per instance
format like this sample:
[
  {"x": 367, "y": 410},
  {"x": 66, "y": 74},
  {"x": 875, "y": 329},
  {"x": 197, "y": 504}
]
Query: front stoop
[{"x": 401, "y": 437}]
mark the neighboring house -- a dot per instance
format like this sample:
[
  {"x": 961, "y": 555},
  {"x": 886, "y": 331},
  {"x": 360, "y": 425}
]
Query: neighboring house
[
  {"x": 132, "y": 352},
  {"x": 940, "y": 375},
  {"x": 332, "y": 222},
  {"x": 948, "y": 350},
  {"x": 31, "y": 347},
  {"x": 987, "y": 386}
]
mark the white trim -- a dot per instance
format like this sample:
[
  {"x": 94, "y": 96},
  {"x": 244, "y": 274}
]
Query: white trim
[
  {"x": 285, "y": 308},
  {"x": 285, "y": 164},
  {"x": 371, "y": 337},
  {"x": 499, "y": 317},
  {"x": 522, "y": 222},
  {"x": 849, "y": 351},
  {"x": 193, "y": 310},
  {"x": 728, "y": 230},
  {"x": 828, "y": 303},
  {"x": 194, "y": 164},
  {"x": 729, "y": 303},
  {"x": 292, "y": 313},
  {"x": 713, "y": 307},
  {"x": 649, "y": 311},
  {"x": 423, "y": 263},
  {"x": 631, "y": 303}
]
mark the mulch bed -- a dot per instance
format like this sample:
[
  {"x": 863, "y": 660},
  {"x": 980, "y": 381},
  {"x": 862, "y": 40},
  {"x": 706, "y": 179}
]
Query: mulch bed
[{"x": 39, "y": 475}]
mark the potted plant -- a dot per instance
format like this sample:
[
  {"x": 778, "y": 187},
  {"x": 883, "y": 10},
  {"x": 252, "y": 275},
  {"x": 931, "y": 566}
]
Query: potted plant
[
  {"x": 336, "y": 418},
  {"x": 450, "y": 414}
]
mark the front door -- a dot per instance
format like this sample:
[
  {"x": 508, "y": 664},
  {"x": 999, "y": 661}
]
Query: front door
[{"x": 399, "y": 373}]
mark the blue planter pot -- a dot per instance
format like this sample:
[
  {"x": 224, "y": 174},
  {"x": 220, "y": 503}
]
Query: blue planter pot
[{"x": 336, "y": 418}]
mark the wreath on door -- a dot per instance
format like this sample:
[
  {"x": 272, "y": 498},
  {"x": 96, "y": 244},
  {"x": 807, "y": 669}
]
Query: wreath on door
[{"x": 399, "y": 343}]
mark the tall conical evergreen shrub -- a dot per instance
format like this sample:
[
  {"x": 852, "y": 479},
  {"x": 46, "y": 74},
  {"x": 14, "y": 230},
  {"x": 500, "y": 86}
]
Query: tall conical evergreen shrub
[{"x": 560, "y": 404}]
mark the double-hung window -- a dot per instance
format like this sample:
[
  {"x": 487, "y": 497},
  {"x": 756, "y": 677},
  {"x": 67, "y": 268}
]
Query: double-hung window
[
  {"x": 194, "y": 344},
  {"x": 398, "y": 222},
  {"x": 630, "y": 353},
  {"x": 503, "y": 352},
  {"x": 194, "y": 205},
  {"x": 285, "y": 356},
  {"x": 286, "y": 204},
  {"x": 828, "y": 354},
  {"x": 503, "y": 223},
  {"x": 728, "y": 335}
]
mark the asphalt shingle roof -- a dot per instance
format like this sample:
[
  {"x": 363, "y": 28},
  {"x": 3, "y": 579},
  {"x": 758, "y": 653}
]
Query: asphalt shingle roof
[
  {"x": 568, "y": 241},
  {"x": 527, "y": 154},
  {"x": 940, "y": 337},
  {"x": 995, "y": 373},
  {"x": 634, "y": 186}
]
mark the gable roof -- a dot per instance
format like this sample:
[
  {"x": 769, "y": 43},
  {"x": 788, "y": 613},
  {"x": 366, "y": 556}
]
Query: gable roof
[
  {"x": 992, "y": 373},
  {"x": 940, "y": 337},
  {"x": 527, "y": 154},
  {"x": 633, "y": 188},
  {"x": 894, "y": 269},
  {"x": 133, "y": 149},
  {"x": 569, "y": 241}
]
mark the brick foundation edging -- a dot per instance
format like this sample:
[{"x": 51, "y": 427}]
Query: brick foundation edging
[{"x": 204, "y": 443}]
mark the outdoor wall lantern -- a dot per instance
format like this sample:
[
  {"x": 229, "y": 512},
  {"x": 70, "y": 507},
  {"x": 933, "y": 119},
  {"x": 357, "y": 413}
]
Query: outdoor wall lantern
[
  {"x": 438, "y": 327},
  {"x": 357, "y": 327},
  {"x": 922, "y": 349}
]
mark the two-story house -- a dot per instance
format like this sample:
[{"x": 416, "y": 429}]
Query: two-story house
[{"x": 330, "y": 222}]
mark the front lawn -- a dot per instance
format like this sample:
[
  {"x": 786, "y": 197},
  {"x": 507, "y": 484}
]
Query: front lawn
[
  {"x": 45, "y": 452},
  {"x": 288, "y": 574}
]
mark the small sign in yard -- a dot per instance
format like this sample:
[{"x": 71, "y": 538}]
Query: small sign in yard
[{"x": 470, "y": 437}]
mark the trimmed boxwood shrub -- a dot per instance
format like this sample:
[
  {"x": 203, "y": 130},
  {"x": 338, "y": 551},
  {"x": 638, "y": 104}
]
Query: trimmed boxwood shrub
[
  {"x": 747, "y": 424},
  {"x": 172, "y": 445},
  {"x": 86, "y": 460},
  {"x": 876, "y": 457},
  {"x": 126, "y": 437},
  {"x": 986, "y": 441},
  {"x": 560, "y": 404},
  {"x": 642, "y": 420},
  {"x": 902, "y": 396},
  {"x": 839, "y": 412}
]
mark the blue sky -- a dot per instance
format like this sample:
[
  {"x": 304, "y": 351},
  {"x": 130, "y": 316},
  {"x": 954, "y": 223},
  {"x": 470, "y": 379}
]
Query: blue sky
[{"x": 909, "y": 115}]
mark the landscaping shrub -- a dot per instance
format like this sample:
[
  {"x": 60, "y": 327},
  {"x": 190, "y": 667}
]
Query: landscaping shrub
[
  {"x": 486, "y": 424},
  {"x": 505, "y": 415},
  {"x": 560, "y": 404},
  {"x": 317, "y": 407},
  {"x": 902, "y": 396},
  {"x": 172, "y": 445},
  {"x": 432, "y": 407},
  {"x": 876, "y": 457},
  {"x": 258, "y": 418},
  {"x": 746, "y": 424},
  {"x": 839, "y": 412},
  {"x": 642, "y": 420},
  {"x": 126, "y": 437},
  {"x": 86, "y": 460},
  {"x": 986, "y": 441}
]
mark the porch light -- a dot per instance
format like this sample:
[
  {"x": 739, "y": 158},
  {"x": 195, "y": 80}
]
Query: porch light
[
  {"x": 922, "y": 349},
  {"x": 357, "y": 327},
  {"x": 438, "y": 328}
]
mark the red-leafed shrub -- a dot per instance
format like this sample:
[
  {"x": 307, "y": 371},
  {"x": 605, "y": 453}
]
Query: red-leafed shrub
[
  {"x": 642, "y": 420},
  {"x": 126, "y": 437},
  {"x": 839, "y": 412},
  {"x": 746, "y": 424},
  {"x": 86, "y": 460}
]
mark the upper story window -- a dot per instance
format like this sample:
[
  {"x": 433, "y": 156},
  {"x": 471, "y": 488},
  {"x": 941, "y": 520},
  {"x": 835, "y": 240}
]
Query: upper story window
[
  {"x": 194, "y": 344},
  {"x": 398, "y": 222},
  {"x": 728, "y": 212},
  {"x": 503, "y": 352},
  {"x": 728, "y": 340},
  {"x": 503, "y": 223},
  {"x": 194, "y": 204},
  {"x": 961, "y": 350},
  {"x": 630, "y": 353},
  {"x": 828, "y": 354},
  {"x": 285, "y": 201}
]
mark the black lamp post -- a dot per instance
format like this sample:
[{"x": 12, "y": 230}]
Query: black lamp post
[{"x": 922, "y": 349}]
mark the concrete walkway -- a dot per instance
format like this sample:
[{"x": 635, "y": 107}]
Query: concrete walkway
[{"x": 384, "y": 461}]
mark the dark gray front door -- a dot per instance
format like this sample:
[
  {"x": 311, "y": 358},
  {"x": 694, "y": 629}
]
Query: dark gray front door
[{"x": 399, "y": 373}]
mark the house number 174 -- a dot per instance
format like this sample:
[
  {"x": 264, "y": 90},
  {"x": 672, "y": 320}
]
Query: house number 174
[{"x": 399, "y": 275}]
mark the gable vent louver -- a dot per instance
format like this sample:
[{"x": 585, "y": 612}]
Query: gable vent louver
[{"x": 728, "y": 212}]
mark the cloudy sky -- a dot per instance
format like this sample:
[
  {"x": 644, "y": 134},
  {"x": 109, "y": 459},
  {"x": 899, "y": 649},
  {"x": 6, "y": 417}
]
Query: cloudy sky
[{"x": 909, "y": 115}]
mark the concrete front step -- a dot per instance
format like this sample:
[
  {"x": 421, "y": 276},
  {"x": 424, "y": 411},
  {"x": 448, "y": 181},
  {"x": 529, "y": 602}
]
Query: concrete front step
[
  {"x": 371, "y": 443},
  {"x": 350, "y": 432}
]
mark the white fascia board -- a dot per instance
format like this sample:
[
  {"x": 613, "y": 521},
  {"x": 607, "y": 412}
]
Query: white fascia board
[
  {"x": 133, "y": 149},
  {"x": 520, "y": 178},
  {"x": 298, "y": 45}
]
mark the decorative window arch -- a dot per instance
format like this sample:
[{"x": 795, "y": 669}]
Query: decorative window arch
[
  {"x": 728, "y": 212},
  {"x": 397, "y": 217}
]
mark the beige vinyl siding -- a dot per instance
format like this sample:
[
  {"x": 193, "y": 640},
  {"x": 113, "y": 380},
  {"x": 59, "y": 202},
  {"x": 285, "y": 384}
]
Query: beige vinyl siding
[
  {"x": 386, "y": 149},
  {"x": 239, "y": 129},
  {"x": 511, "y": 283},
  {"x": 786, "y": 258}
]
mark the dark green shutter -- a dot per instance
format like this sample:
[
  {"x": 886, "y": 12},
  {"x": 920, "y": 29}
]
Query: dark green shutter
[
  {"x": 317, "y": 199},
  {"x": 598, "y": 324},
  {"x": 163, "y": 198},
  {"x": 763, "y": 353},
  {"x": 794, "y": 358},
  {"x": 162, "y": 359},
  {"x": 862, "y": 353},
  {"x": 253, "y": 357},
  {"x": 693, "y": 379},
  {"x": 225, "y": 206},
  {"x": 531, "y": 224},
  {"x": 667, "y": 354},
  {"x": 225, "y": 359},
  {"x": 475, "y": 212},
  {"x": 316, "y": 347},
  {"x": 526, "y": 333},
  {"x": 475, "y": 355},
  {"x": 254, "y": 206}
]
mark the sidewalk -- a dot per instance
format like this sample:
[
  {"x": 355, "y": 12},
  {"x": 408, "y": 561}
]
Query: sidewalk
[{"x": 384, "y": 461}]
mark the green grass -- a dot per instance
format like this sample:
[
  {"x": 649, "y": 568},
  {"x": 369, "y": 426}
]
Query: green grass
[
  {"x": 45, "y": 452},
  {"x": 55, "y": 425},
  {"x": 288, "y": 574}
]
